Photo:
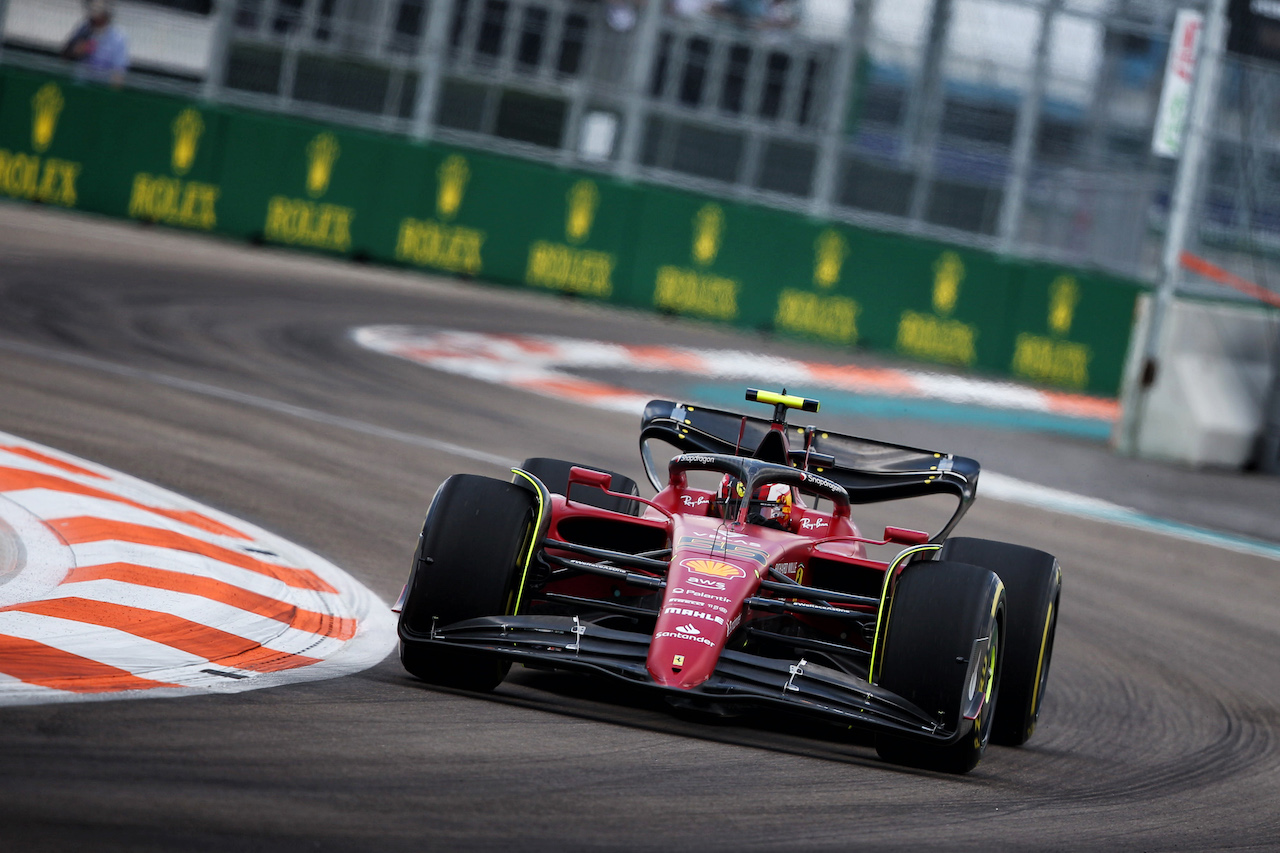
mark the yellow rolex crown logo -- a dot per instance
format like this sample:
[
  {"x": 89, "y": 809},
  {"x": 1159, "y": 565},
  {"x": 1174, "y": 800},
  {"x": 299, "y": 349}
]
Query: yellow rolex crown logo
[
  {"x": 1064, "y": 294},
  {"x": 46, "y": 106},
  {"x": 708, "y": 225},
  {"x": 321, "y": 154},
  {"x": 583, "y": 200},
  {"x": 830, "y": 250},
  {"x": 453, "y": 174},
  {"x": 187, "y": 128},
  {"x": 948, "y": 271}
]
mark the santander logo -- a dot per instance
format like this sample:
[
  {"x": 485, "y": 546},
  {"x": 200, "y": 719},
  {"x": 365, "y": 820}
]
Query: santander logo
[{"x": 689, "y": 629}]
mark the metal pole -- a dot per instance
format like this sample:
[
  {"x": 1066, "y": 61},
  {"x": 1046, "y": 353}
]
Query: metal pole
[
  {"x": 4, "y": 24},
  {"x": 431, "y": 66},
  {"x": 637, "y": 94},
  {"x": 1025, "y": 135},
  {"x": 846, "y": 68},
  {"x": 219, "y": 49},
  {"x": 926, "y": 112},
  {"x": 1204, "y": 101}
]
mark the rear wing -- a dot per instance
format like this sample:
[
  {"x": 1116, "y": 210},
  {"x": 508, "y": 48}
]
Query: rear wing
[{"x": 871, "y": 471}]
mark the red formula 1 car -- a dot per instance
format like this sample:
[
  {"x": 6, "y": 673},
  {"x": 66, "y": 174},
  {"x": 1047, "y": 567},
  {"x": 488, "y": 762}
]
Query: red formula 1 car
[{"x": 743, "y": 581}]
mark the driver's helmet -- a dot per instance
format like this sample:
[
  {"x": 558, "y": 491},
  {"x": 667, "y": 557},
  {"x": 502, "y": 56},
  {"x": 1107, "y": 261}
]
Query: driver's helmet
[{"x": 771, "y": 505}]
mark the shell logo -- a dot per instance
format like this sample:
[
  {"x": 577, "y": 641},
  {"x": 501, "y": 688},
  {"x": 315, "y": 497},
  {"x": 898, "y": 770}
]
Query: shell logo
[{"x": 714, "y": 568}]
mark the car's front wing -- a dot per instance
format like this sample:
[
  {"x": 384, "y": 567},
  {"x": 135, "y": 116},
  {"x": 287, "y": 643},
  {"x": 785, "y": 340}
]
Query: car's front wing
[{"x": 566, "y": 642}]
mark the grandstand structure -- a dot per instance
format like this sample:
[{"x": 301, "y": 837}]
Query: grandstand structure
[{"x": 1018, "y": 125}]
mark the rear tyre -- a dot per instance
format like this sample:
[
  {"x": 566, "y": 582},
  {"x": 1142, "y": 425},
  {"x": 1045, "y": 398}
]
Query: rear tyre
[
  {"x": 942, "y": 647},
  {"x": 468, "y": 564},
  {"x": 1033, "y": 586},
  {"x": 554, "y": 474}
]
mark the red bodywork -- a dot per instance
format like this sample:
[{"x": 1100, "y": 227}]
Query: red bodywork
[{"x": 716, "y": 565}]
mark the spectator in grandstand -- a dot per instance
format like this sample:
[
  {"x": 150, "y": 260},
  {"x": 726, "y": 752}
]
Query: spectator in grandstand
[
  {"x": 98, "y": 46},
  {"x": 621, "y": 15}
]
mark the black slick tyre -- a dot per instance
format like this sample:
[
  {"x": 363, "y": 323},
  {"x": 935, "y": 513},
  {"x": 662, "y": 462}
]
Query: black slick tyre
[
  {"x": 942, "y": 646},
  {"x": 468, "y": 564},
  {"x": 554, "y": 474},
  {"x": 1033, "y": 586}
]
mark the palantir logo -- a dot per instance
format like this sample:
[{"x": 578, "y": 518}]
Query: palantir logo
[{"x": 46, "y": 106}]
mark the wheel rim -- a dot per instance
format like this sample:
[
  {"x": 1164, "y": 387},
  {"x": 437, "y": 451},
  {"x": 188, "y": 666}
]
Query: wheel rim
[{"x": 991, "y": 678}]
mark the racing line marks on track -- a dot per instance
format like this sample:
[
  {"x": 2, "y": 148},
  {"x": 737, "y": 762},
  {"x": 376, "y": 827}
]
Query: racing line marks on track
[
  {"x": 125, "y": 589},
  {"x": 521, "y": 375},
  {"x": 539, "y": 363}
]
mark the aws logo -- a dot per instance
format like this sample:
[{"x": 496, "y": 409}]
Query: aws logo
[
  {"x": 31, "y": 176},
  {"x": 169, "y": 198},
  {"x": 436, "y": 242},
  {"x": 303, "y": 222},
  {"x": 566, "y": 266}
]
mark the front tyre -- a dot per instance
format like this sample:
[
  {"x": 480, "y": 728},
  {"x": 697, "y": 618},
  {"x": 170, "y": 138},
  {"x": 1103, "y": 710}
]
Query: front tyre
[
  {"x": 1033, "y": 585},
  {"x": 942, "y": 650},
  {"x": 469, "y": 563}
]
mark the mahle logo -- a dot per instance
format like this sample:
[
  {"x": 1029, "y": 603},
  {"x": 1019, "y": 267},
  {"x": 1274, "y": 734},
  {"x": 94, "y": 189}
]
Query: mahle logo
[
  {"x": 322, "y": 153},
  {"x": 708, "y": 227},
  {"x": 948, "y": 271},
  {"x": 187, "y": 128},
  {"x": 1064, "y": 295},
  {"x": 830, "y": 250},
  {"x": 584, "y": 198},
  {"x": 46, "y": 106},
  {"x": 453, "y": 174}
]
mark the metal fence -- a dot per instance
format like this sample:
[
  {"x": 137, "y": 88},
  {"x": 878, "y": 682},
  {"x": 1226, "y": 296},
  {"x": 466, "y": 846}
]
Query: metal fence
[{"x": 1021, "y": 125}]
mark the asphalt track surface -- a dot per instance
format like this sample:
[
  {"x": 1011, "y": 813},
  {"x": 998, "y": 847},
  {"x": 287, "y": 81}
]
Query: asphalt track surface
[{"x": 226, "y": 374}]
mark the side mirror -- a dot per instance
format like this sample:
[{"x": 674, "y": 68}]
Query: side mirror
[
  {"x": 587, "y": 477},
  {"x": 905, "y": 536}
]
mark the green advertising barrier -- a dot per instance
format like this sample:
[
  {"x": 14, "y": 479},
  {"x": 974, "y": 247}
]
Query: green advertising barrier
[
  {"x": 49, "y": 132},
  {"x": 1071, "y": 329},
  {"x": 707, "y": 259},
  {"x": 302, "y": 184},
  {"x": 511, "y": 222},
  {"x": 308, "y": 185},
  {"x": 165, "y": 158}
]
